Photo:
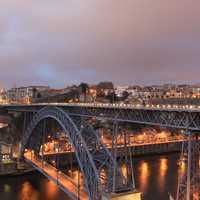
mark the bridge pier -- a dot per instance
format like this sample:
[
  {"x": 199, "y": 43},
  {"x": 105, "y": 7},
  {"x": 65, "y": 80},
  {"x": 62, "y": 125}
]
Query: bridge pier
[
  {"x": 122, "y": 158},
  {"x": 189, "y": 184}
]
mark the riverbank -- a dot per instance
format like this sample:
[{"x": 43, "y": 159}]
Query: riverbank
[{"x": 13, "y": 168}]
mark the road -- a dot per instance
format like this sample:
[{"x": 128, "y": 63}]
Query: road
[{"x": 60, "y": 178}]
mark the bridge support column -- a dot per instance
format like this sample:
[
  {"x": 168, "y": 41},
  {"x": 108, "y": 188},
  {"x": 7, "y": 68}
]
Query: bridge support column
[
  {"x": 189, "y": 183},
  {"x": 123, "y": 158},
  {"x": 0, "y": 152},
  {"x": 43, "y": 141}
]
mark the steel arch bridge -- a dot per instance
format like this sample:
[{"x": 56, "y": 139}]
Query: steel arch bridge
[
  {"x": 91, "y": 159},
  {"x": 172, "y": 116}
]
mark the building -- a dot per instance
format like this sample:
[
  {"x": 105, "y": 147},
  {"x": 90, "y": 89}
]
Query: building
[
  {"x": 150, "y": 93},
  {"x": 119, "y": 90},
  {"x": 195, "y": 91},
  {"x": 3, "y": 96},
  {"x": 105, "y": 88},
  {"x": 93, "y": 91},
  {"x": 25, "y": 94}
]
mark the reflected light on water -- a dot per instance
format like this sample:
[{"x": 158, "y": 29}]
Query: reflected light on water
[
  {"x": 147, "y": 175},
  {"x": 51, "y": 190},
  {"x": 163, "y": 167},
  {"x": 144, "y": 175},
  {"x": 28, "y": 192},
  {"x": 7, "y": 188}
]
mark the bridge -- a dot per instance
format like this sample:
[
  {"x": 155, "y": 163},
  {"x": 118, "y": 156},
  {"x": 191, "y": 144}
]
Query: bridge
[
  {"x": 99, "y": 166},
  {"x": 173, "y": 116}
]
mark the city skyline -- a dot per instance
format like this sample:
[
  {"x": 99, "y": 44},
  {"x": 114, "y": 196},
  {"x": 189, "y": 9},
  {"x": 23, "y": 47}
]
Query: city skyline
[{"x": 56, "y": 44}]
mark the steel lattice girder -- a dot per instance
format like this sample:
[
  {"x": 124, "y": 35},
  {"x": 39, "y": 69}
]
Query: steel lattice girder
[
  {"x": 86, "y": 160},
  {"x": 103, "y": 159},
  {"x": 190, "y": 157},
  {"x": 175, "y": 118}
]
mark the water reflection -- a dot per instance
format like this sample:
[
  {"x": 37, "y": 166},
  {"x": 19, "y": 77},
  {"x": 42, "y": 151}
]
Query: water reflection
[
  {"x": 7, "y": 188},
  {"x": 144, "y": 175},
  {"x": 51, "y": 190},
  {"x": 155, "y": 177},
  {"x": 163, "y": 167},
  {"x": 28, "y": 192}
]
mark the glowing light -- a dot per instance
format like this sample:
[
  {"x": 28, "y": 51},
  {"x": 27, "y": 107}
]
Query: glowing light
[
  {"x": 124, "y": 170},
  {"x": 51, "y": 190},
  {"x": 163, "y": 166},
  {"x": 144, "y": 175},
  {"x": 7, "y": 188},
  {"x": 28, "y": 192}
]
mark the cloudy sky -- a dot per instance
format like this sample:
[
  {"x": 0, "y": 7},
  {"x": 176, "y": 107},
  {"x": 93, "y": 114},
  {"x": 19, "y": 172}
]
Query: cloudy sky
[{"x": 127, "y": 41}]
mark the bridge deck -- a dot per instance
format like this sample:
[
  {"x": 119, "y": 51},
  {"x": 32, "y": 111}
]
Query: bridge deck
[
  {"x": 161, "y": 107},
  {"x": 173, "y": 116},
  {"x": 64, "y": 182}
]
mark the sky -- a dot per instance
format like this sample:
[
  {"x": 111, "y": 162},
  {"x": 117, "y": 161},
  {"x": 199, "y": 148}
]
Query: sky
[{"x": 64, "y": 42}]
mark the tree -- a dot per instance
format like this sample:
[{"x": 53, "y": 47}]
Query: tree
[
  {"x": 125, "y": 95},
  {"x": 34, "y": 92},
  {"x": 84, "y": 89},
  {"x": 112, "y": 97},
  {"x": 39, "y": 95}
]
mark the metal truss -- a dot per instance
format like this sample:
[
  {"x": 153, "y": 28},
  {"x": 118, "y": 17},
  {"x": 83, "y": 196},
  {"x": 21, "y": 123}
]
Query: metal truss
[
  {"x": 188, "y": 119},
  {"x": 110, "y": 173},
  {"x": 123, "y": 155},
  {"x": 92, "y": 156},
  {"x": 189, "y": 182},
  {"x": 175, "y": 118},
  {"x": 165, "y": 118}
]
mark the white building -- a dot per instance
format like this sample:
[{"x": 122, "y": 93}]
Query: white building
[
  {"x": 25, "y": 94},
  {"x": 120, "y": 89}
]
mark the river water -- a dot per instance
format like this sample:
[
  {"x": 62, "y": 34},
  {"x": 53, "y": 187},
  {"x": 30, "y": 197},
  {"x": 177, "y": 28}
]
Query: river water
[{"x": 156, "y": 176}]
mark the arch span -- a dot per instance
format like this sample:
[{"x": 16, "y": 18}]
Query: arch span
[{"x": 84, "y": 157}]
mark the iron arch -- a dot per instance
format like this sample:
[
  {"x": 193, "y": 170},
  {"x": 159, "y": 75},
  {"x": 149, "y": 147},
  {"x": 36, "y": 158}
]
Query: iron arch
[{"x": 83, "y": 155}]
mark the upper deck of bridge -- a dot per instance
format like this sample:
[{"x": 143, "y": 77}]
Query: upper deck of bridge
[{"x": 179, "y": 108}]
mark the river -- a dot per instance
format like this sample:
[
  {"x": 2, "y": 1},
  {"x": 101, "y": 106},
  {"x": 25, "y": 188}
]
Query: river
[{"x": 155, "y": 176}]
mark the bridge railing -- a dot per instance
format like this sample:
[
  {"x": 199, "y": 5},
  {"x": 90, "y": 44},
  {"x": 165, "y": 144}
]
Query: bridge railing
[
  {"x": 123, "y": 105},
  {"x": 119, "y": 105},
  {"x": 44, "y": 164}
]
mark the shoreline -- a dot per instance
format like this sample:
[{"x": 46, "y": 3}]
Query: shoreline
[{"x": 17, "y": 172}]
